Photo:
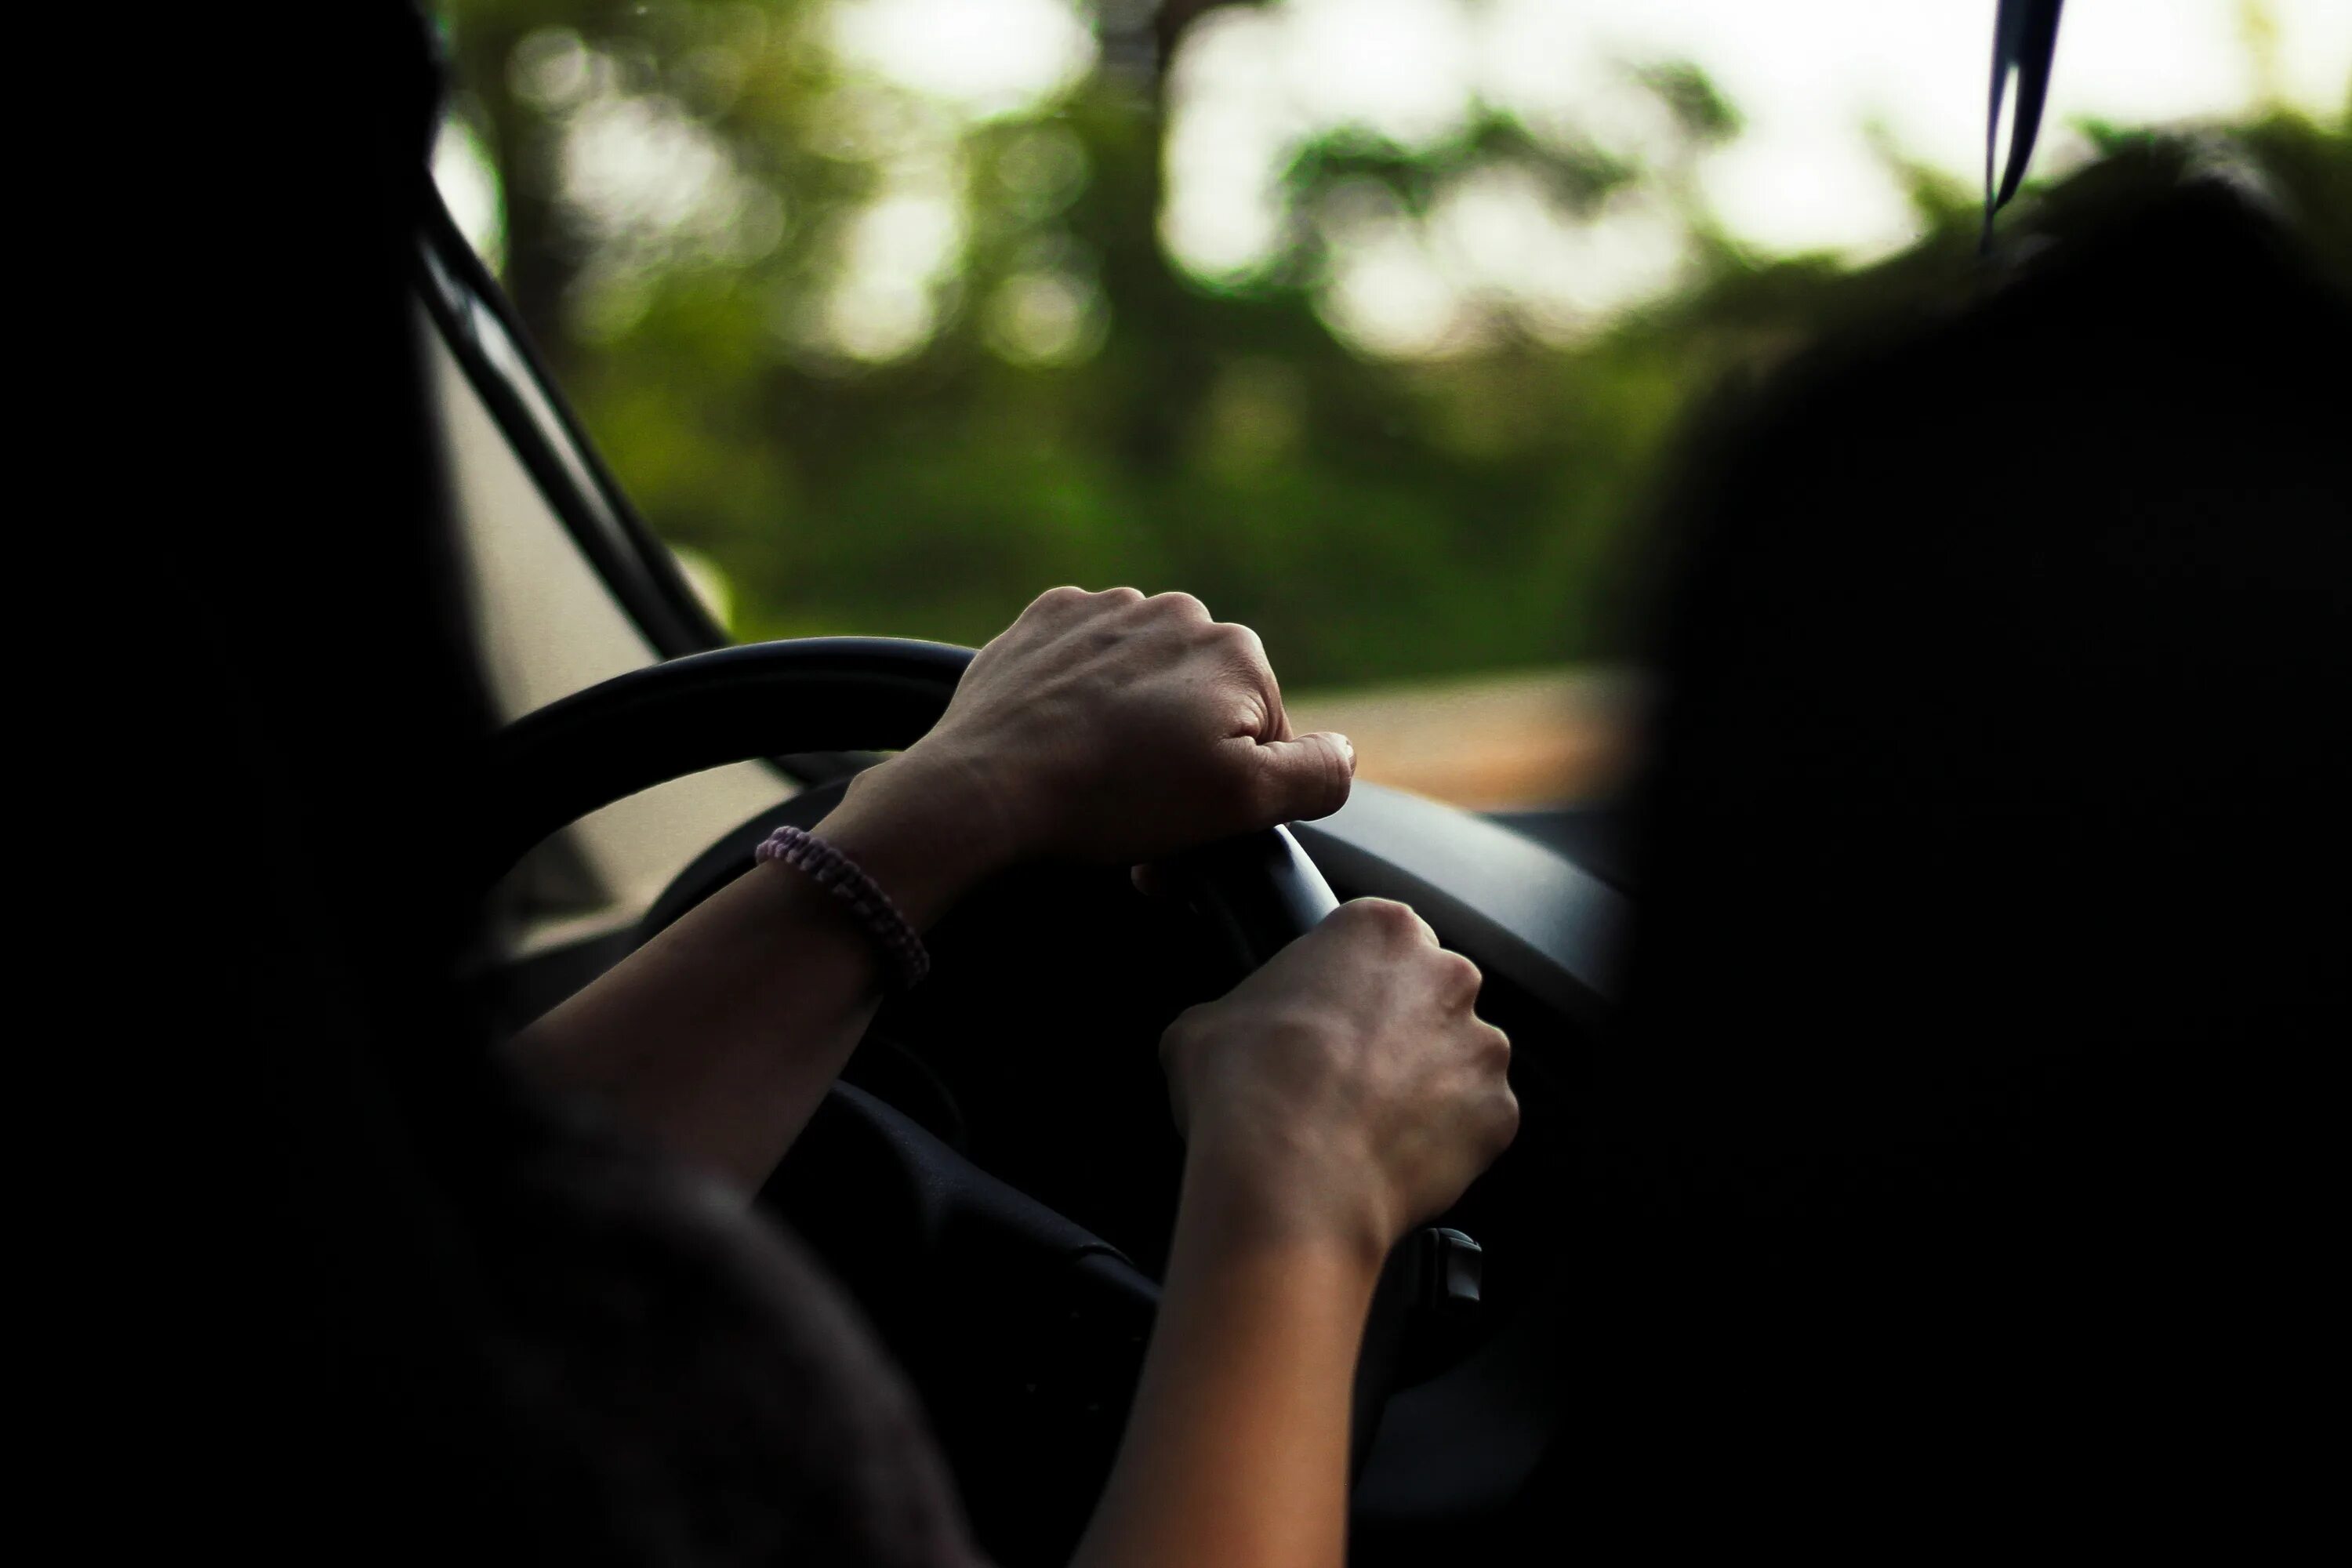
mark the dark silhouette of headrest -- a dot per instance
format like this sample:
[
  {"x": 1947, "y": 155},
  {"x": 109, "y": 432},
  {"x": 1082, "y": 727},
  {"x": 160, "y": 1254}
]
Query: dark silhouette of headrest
[{"x": 1959, "y": 1156}]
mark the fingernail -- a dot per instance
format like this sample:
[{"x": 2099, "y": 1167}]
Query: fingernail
[{"x": 1345, "y": 745}]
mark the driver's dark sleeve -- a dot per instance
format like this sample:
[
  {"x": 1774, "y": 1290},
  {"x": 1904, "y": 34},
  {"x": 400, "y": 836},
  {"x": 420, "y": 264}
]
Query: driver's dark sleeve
[{"x": 686, "y": 1386}]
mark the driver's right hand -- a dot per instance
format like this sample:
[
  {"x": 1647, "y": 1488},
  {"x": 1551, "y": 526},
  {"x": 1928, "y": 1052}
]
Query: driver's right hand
[{"x": 1347, "y": 1090}]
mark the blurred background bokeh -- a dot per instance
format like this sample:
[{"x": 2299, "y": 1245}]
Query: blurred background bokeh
[{"x": 1372, "y": 322}]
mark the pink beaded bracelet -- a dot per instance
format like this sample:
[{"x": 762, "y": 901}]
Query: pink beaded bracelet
[{"x": 843, "y": 878}]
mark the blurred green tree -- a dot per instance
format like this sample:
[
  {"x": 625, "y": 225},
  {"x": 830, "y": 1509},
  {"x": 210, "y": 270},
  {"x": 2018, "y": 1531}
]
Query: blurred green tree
[{"x": 892, "y": 360}]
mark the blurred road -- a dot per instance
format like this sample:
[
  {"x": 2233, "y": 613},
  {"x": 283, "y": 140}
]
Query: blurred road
[{"x": 1545, "y": 738}]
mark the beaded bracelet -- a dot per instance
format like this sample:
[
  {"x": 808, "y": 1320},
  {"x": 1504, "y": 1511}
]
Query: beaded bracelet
[{"x": 843, "y": 878}]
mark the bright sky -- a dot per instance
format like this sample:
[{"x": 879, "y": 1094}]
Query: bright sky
[
  {"x": 1809, "y": 77},
  {"x": 1250, "y": 83},
  {"x": 987, "y": 55}
]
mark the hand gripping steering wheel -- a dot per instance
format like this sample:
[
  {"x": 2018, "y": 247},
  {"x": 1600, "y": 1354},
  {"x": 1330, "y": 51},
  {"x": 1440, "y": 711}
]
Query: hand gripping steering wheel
[{"x": 963, "y": 1242}]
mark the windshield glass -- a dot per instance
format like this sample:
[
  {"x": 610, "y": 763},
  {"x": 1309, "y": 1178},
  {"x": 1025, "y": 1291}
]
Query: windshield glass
[{"x": 1369, "y": 321}]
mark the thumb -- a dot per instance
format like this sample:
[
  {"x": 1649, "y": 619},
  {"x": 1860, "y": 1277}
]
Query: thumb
[{"x": 1305, "y": 777}]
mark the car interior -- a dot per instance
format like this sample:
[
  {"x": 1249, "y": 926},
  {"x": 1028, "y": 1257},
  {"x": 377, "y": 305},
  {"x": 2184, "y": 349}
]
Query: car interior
[
  {"x": 995, "y": 1178},
  {"x": 977, "y": 1129}
]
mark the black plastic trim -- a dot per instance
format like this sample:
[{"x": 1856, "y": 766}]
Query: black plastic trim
[
  {"x": 479, "y": 325},
  {"x": 487, "y": 339}
]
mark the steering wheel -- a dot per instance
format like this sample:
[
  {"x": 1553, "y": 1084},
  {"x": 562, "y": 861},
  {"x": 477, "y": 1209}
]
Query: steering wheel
[{"x": 1022, "y": 1328}]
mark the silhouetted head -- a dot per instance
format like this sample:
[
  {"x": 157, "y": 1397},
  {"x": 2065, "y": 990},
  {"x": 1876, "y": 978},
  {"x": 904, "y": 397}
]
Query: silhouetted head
[{"x": 1988, "y": 966}]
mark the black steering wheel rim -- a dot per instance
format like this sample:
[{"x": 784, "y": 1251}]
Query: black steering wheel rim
[{"x": 647, "y": 727}]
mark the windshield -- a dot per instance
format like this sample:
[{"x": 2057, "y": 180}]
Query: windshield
[{"x": 1370, "y": 322}]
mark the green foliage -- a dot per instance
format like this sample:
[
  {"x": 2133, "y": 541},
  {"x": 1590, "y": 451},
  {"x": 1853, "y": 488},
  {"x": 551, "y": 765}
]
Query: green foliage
[
  {"x": 1373, "y": 520},
  {"x": 1704, "y": 113}
]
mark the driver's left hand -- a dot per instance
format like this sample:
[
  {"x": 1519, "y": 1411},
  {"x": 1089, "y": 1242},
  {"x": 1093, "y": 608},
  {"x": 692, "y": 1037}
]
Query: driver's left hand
[{"x": 1114, "y": 728}]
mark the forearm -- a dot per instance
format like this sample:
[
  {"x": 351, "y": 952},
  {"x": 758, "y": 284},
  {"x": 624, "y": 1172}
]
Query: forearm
[
  {"x": 721, "y": 1034},
  {"x": 1236, "y": 1453}
]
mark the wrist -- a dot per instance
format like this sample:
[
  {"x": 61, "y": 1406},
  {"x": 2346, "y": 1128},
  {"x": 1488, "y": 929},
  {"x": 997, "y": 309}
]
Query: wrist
[
  {"x": 923, "y": 828},
  {"x": 995, "y": 801},
  {"x": 1258, "y": 1203}
]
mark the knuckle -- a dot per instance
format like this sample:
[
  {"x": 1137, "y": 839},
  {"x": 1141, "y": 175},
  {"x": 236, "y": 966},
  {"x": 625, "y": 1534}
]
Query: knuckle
[
  {"x": 1183, "y": 606},
  {"x": 1176, "y": 1040},
  {"x": 1506, "y": 1119},
  {"x": 1462, "y": 978},
  {"x": 1191, "y": 1020},
  {"x": 1056, "y": 604},
  {"x": 1385, "y": 917},
  {"x": 1121, "y": 596},
  {"x": 1238, "y": 640},
  {"x": 1239, "y": 636},
  {"x": 1350, "y": 928}
]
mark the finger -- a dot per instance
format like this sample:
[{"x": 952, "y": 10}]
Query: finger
[
  {"x": 1251, "y": 663},
  {"x": 1301, "y": 779},
  {"x": 1279, "y": 719}
]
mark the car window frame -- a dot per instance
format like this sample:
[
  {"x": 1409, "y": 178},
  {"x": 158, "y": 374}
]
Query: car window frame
[
  {"x": 488, "y": 341},
  {"x": 486, "y": 336}
]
